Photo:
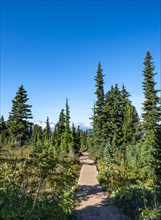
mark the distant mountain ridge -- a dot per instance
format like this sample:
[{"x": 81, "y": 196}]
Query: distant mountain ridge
[
  {"x": 82, "y": 125},
  {"x": 43, "y": 124}
]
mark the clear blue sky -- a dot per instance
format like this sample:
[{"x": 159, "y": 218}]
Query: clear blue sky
[{"x": 53, "y": 49}]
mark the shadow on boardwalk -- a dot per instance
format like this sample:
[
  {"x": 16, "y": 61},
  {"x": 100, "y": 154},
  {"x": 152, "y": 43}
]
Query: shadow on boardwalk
[
  {"x": 102, "y": 212},
  {"x": 85, "y": 192},
  {"x": 92, "y": 203}
]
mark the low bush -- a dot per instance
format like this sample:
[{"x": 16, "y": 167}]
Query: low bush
[
  {"x": 40, "y": 186},
  {"x": 138, "y": 202}
]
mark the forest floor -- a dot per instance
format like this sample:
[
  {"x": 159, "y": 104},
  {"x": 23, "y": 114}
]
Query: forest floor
[{"x": 92, "y": 201}]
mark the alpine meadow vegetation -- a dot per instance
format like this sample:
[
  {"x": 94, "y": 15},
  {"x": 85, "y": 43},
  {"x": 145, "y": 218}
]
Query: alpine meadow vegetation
[{"x": 39, "y": 168}]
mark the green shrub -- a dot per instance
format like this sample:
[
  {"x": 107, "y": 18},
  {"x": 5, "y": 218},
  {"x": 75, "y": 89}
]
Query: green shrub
[
  {"x": 112, "y": 176},
  {"x": 40, "y": 186},
  {"x": 137, "y": 162},
  {"x": 138, "y": 202}
]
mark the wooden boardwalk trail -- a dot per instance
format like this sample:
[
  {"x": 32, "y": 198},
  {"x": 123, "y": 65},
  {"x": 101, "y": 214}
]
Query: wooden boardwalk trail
[{"x": 92, "y": 201}]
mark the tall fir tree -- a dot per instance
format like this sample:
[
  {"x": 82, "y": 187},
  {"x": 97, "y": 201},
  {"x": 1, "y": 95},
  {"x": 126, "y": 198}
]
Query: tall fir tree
[
  {"x": 3, "y": 130},
  {"x": 66, "y": 138},
  {"x": 67, "y": 118},
  {"x": 117, "y": 118},
  {"x": 130, "y": 124},
  {"x": 78, "y": 137},
  {"x": 74, "y": 139},
  {"x": 113, "y": 117},
  {"x": 47, "y": 131},
  {"x": 18, "y": 122},
  {"x": 37, "y": 134},
  {"x": 2, "y": 124},
  {"x": 61, "y": 123},
  {"x": 130, "y": 118},
  {"x": 98, "y": 116},
  {"x": 125, "y": 96},
  {"x": 59, "y": 130},
  {"x": 120, "y": 120},
  {"x": 108, "y": 106},
  {"x": 151, "y": 117},
  {"x": 151, "y": 106}
]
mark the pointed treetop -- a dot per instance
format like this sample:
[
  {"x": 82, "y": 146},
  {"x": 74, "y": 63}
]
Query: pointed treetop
[
  {"x": 148, "y": 60},
  {"x": 67, "y": 117}
]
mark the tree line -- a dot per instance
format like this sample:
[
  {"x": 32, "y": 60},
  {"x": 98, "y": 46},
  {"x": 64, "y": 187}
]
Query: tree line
[
  {"x": 20, "y": 131},
  {"x": 128, "y": 149}
]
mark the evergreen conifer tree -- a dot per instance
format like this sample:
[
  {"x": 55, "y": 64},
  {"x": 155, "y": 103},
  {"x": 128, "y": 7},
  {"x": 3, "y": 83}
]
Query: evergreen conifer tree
[
  {"x": 67, "y": 118},
  {"x": 151, "y": 117},
  {"x": 113, "y": 117},
  {"x": 66, "y": 137},
  {"x": 117, "y": 118},
  {"x": 108, "y": 105},
  {"x": 3, "y": 130},
  {"x": 47, "y": 131},
  {"x": 99, "y": 104},
  {"x": 61, "y": 123},
  {"x": 120, "y": 120},
  {"x": 59, "y": 130},
  {"x": 151, "y": 106},
  {"x": 78, "y": 137},
  {"x": 2, "y": 124},
  {"x": 130, "y": 124},
  {"x": 18, "y": 123},
  {"x": 125, "y": 96},
  {"x": 37, "y": 134},
  {"x": 74, "y": 139},
  {"x": 130, "y": 118}
]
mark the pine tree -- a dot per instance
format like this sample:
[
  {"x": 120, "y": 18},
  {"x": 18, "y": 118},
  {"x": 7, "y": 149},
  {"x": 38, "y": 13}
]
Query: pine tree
[
  {"x": 61, "y": 123},
  {"x": 107, "y": 109},
  {"x": 3, "y": 130},
  {"x": 120, "y": 121},
  {"x": 37, "y": 134},
  {"x": 99, "y": 104},
  {"x": 66, "y": 138},
  {"x": 151, "y": 111},
  {"x": 117, "y": 118},
  {"x": 47, "y": 131},
  {"x": 113, "y": 117},
  {"x": 130, "y": 124},
  {"x": 130, "y": 118},
  {"x": 19, "y": 117},
  {"x": 74, "y": 139},
  {"x": 125, "y": 96},
  {"x": 151, "y": 117},
  {"x": 78, "y": 137},
  {"x": 59, "y": 130},
  {"x": 67, "y": 118},
  {"x": 2, "y": 124}
]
